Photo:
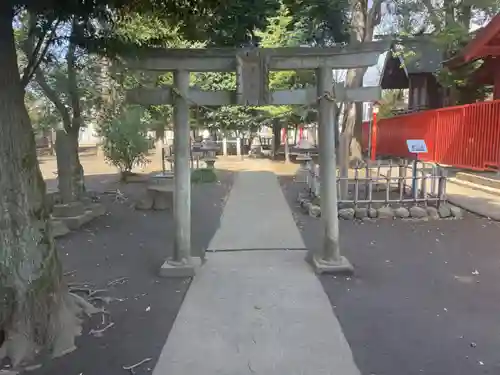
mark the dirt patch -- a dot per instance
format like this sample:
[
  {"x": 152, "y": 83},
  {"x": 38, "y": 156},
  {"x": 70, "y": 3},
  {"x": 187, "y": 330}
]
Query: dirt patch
[
  {"x": 131, "y": 244},
  {"x": 424, "y": 296}
]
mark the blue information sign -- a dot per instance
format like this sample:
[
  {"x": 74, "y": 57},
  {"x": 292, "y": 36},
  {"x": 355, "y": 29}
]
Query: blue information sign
[{"x": 416, "y": 146}]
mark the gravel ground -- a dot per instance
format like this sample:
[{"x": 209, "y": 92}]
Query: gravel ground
[
  {"x": 132, "y": 244},
  {"x": 425, "y": 295}
]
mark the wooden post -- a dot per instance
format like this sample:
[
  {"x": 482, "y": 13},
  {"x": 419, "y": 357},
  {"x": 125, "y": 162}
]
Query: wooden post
[
  {"x": 373, "y": 151},
  {"x": 328, "y": 259},
  {"x": 180, "y": 265}
]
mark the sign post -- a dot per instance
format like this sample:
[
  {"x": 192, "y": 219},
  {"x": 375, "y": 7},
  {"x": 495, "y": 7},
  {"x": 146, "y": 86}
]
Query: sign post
[{"x": 415, "y": 146}]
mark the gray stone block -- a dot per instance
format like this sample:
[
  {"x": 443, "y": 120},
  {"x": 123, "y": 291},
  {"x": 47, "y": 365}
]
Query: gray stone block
[
  {"x": 444, "y": 211},
  {"x": 432, "y": 212},
  {"x": 401, "y": 213},
  {"x": 136, "y": 178},
  {"x": 86, "y": 200},
  {"x": 76, "y": 222},
  {"x": 145, "y": 203},
  {"x": 360, "y": 212},
  {"x": 314, "y": 210},
  {"x": 418, "y": 212},
  {"x": 347, "y": 213},
  {"x": 372, "y": 213},
  {"x": 456, "y": 212},
  {"x": 346, "y": 205},
  {"x": 166, "y": 181},
  {"x": 385, "y": 213},
  {"x": 96, "y": 209},
  {"x": 68, "y": 210},
  {"x": 163, "y": 201},
  {"x": 59, "y": 229}
]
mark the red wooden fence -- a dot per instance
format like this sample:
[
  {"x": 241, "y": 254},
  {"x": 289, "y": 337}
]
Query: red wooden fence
[{"x": 465, "y": 136}]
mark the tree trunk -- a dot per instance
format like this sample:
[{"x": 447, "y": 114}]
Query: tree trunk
[
  {"x": 353, "y": 129},
  {"x": 354, "y": 79},
  {"x": 36, "y": 310},
  {"x": 71, "y": 181},
  {"x": 77, "y": 175},
  {"x": 69, "y": 169},
  {"x": 363, "y": 22}
]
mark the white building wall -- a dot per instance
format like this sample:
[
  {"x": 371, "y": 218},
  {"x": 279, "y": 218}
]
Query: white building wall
[{"x": 88, "y": 135}]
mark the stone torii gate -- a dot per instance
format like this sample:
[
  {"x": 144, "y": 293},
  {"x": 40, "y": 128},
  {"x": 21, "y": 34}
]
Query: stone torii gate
[{"x": 252, "y": 67}]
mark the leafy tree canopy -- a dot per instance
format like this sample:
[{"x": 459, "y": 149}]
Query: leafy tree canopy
[{"x": 323, "y": 22}]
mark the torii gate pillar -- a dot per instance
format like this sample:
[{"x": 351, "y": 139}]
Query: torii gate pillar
[
  {"x": 181, "y": 264},
  {"x": 328, "y": 259}
]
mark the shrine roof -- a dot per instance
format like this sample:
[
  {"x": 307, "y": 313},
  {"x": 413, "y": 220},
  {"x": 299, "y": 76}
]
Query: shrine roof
[
  {"x": 420, "y": 53},
  {"x": 485, "y": 43}
]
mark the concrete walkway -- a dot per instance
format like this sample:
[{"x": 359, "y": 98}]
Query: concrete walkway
[
  {"x": 256, "y": 216},
  {"x": 260, "y": 311},
  {"x": 473, "y": 200}
]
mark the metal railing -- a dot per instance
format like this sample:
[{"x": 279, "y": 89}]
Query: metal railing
[
  {"x": 466, "y": 136},
  {"x": 385, "y": 182}
]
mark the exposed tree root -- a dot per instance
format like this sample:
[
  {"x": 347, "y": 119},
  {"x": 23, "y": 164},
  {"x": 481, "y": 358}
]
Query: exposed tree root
[
  {"x": 100, "y": 332},
  {"x": 133, "y": 367},
  {"x": 64, "y": 326},
  {"x": 121, "y": 280}
]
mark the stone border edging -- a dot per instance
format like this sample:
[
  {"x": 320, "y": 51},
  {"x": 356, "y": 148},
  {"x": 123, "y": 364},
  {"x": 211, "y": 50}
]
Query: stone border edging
[{"x": 445, "y": 211}]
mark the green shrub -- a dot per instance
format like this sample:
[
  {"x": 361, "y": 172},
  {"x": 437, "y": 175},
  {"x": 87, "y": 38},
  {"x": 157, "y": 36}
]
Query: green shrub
[
  {"x": 203, "y": 175},
  {"x": 125, "y": 139}
]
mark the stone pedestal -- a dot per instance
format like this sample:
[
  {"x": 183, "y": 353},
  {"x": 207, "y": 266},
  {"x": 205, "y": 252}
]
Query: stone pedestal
[
  {"x": 74, "y": 215},
  {"x": 59, "y": 229},
  {"x": 158, "y": 197},
  {"x": 180, "y": 269},
  {"x": 343, "y": 266},
  {"x": 68, "y": 210}
]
